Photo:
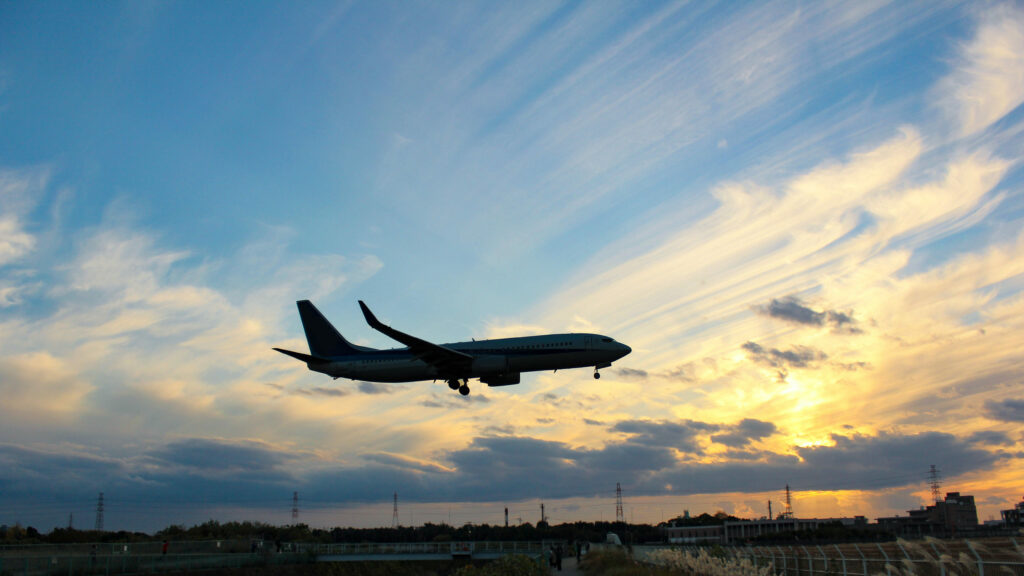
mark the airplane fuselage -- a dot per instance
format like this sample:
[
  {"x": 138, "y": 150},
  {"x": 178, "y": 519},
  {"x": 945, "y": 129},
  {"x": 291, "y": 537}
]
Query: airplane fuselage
[{"x": 493, "y": 359}]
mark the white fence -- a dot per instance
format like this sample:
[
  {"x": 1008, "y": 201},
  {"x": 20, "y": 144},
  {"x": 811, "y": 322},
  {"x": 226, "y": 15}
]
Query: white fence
[{"x": 931, "y": 557}]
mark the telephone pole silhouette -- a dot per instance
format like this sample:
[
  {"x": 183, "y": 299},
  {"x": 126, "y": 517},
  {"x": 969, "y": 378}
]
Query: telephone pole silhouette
[{"x": 295, "y": 507}]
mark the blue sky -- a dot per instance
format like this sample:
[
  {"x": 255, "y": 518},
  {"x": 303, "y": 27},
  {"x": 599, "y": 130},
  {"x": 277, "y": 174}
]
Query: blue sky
[{"x": 805, "y": 219}]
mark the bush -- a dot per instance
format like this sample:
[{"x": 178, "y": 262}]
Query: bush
[
  {"x": 511, "y": 565},
  {"x": 616, "y": 562}
]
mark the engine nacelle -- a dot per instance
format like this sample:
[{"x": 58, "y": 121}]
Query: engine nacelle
[{"x": 501, "y": 379}]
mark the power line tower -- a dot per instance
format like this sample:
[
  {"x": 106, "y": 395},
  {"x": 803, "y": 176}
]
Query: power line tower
[
  {"x": 934, "y": 482},
  {"x": 295, "y": 507},
  {"x": 99, "y": 513},
  {"x": 789, "y": 504},
  {"x": 620, "y": 516},
  {"x": 394, "y": 514}
]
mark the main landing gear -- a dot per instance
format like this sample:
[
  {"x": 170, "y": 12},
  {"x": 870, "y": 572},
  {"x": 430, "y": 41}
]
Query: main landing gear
[{"x": 462, "y": 387}]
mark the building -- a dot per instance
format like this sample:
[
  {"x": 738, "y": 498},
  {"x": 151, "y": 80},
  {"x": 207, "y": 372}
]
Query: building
[
  {"x": 740, "y": 531},
  {"x": 694, "y": 534},
  {"x": 1014, "y": 517},
  {"x": 956, "y": 514}
]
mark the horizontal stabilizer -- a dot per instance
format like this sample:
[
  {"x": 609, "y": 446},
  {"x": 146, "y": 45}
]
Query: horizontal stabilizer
[{"x": 304, "y": 357}]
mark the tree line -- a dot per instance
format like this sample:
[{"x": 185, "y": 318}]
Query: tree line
[{"x": 249, "y": 530}]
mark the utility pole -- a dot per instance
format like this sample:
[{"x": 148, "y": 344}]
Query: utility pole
[
  {"x": 394, "y": 514},
  {"x": 935, "y": 482},
  {"x": 789, "y": 505},
  {"x": 295, "y": 507},
  {"x": 99, "y": 513},
  {"x": 619, "y": 515},
  {"x": 542, "y": 517}
]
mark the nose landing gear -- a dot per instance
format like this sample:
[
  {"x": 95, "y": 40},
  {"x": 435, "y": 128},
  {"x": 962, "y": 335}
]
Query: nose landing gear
[{"x": 597, "y": 375}]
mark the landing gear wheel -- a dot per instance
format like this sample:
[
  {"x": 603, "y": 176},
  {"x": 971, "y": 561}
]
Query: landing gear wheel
[
  {"x": 464, "y": 390},
  {"x": 453, "y": 384},
  {"x": 597, "y": 375}
]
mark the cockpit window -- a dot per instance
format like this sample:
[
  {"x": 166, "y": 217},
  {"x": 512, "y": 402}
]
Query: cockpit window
[{"x": 607, "y": 340}]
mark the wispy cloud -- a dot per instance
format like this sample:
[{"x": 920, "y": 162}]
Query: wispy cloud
[
  {"x": 988, "y": 77},
  {"x": 323, "y": 391},
  {"x": 19, "y": 192}
]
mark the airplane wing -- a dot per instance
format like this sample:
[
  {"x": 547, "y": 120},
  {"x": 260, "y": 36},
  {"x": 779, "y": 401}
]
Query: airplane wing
[{"x": 449, "y": 363}]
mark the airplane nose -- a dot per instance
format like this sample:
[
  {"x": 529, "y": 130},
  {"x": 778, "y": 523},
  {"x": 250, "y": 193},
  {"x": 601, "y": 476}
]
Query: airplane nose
[{"x": 625, "y": 349}]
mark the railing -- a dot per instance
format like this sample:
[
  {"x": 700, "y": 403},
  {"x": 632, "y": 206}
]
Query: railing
[
  {"x": 930, "y": 557},
  {"x": 29, "y": 565},
  {"x": 147, "y": 558},
  {"x": 423, "y": 548}
]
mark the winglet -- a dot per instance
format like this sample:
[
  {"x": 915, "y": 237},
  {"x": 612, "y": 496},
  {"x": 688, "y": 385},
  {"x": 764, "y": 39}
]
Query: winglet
[
  {"x": 370, "y": 318},
  {"x": 426, "y": 351}
]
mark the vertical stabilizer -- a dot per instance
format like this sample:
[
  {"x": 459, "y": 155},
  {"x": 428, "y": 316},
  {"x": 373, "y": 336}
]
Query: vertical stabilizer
[{"x": 324, "y": 340}]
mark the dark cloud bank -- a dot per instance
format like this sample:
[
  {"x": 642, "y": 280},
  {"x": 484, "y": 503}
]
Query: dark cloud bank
[
  {"x": 647, "y": 457},
  {"x": 1005, "y": 410}
]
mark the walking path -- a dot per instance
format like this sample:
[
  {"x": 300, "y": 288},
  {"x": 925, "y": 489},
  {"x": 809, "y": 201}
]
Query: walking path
[{"x": 568, "y": 567}]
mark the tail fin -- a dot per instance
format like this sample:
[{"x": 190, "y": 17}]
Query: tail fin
[{"x": 324, "y": 340}]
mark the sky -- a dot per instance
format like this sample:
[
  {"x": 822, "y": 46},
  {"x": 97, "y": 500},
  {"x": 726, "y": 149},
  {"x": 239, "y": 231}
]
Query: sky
[{"x": 805, "y": 218}]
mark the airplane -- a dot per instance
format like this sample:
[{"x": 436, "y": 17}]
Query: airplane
[{"x": 496, "y": 362}]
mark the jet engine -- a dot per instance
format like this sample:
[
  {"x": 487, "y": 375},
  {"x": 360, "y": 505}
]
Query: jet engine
[{"x": 506, "y": 379}]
